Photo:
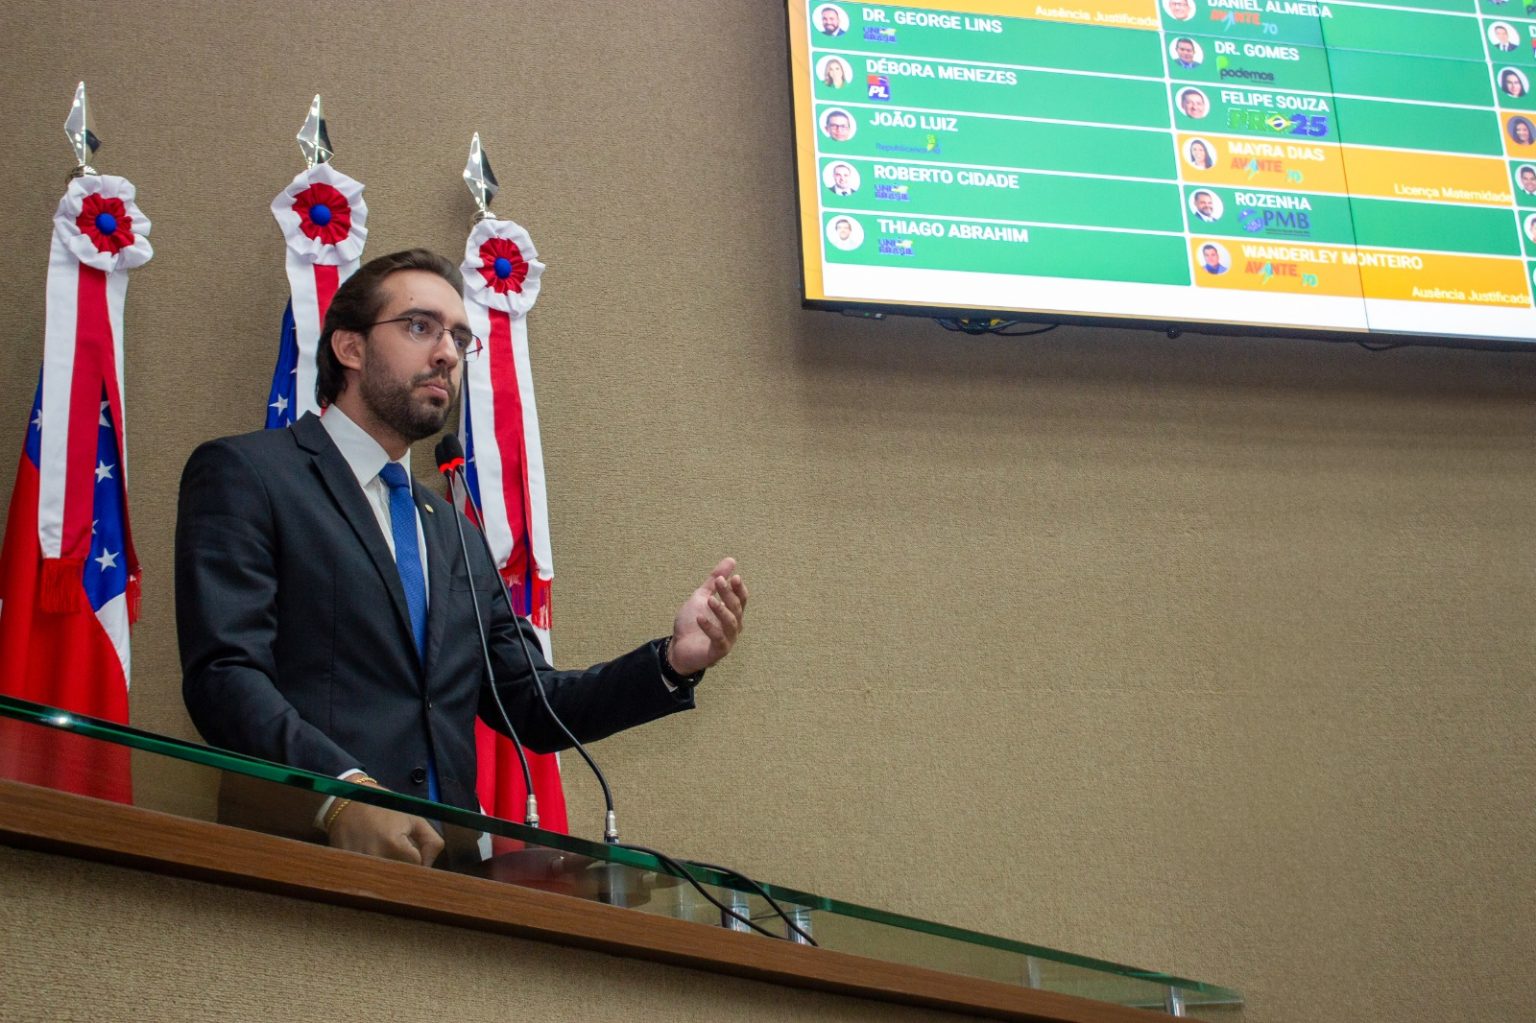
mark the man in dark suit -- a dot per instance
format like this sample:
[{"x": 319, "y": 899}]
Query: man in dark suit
[{"x": 324, "y": 608}]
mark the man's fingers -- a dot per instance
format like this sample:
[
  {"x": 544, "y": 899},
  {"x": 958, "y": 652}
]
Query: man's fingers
[
  {"x": 427, "y": 840},
  {"x": 403, "y": 849},
  {"x": 729, "y": 623},
  {"x": 711, "y": 628},
  {"x": 733, "y": 593}
]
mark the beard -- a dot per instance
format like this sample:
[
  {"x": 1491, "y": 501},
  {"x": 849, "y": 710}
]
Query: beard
[{"x": 396, "y": 405}]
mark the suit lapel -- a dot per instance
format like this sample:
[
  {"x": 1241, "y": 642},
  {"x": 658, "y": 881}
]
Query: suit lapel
[
  {"x": 442, "y": 552},
  {"x": 342, "y": 485}
]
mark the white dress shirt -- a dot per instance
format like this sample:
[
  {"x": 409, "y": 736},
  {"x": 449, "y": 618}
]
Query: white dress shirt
[{"x": 366, "y": 457}]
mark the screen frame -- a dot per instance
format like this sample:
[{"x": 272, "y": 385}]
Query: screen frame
[{"x": 870, "y": 309}]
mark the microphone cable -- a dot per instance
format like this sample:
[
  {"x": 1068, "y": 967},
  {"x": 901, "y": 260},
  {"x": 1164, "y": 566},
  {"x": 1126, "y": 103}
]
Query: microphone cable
[
  {"x": 450, "y": 457},
  {"x": 451, "y": 453},
  {"x": 681, "y": 871}
]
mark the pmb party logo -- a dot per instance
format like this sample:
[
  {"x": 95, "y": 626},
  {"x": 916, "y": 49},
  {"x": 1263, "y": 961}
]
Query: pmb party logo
[{"x": 1275, "y": 223}]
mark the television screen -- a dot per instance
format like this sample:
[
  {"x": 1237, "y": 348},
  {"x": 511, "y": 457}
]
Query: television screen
[{"x": 1263, "y": 166}]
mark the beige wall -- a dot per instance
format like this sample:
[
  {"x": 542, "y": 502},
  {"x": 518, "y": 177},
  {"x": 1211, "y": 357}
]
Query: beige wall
[{"x": 1209, "y": 655}]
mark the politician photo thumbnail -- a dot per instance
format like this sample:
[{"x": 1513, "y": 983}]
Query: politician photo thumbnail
[
  {"x": 841, "y": 179},
  {"x": 1198, "y": 154},
  {"x": 837, "y": 124},
  {"x": 1527, "y": 178},
  {"x": 834, "y": 72},
  {"x": 845, "y": 233},
  {"x": 1214, "y": 259},
  {"x": 832, "y": 20},
  {"x": 1194, "y": 103},
  {"x": 1206, "y": 206},
  {"x": 1186, "y": 53}
]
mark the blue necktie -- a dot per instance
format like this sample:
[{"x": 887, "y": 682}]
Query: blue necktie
[{"x": 402, "y": 526}]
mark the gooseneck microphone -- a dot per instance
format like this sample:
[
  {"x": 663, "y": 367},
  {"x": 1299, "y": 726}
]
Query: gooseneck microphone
[{"x": 450, "y": 459}]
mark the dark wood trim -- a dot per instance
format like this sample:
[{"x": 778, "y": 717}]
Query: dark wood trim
[{"x": 60, "y": 822}]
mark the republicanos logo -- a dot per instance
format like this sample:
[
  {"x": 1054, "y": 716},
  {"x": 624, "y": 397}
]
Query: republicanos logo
[
  {"x": 895, "y": 247},
  {"x": 880, "y": 88},
  {"x": 880, "y": 35},
  {"x": 895, "y": 193},
  {"x": 1276, "y": 223}
]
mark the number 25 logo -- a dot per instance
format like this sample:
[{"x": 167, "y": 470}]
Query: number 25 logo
[{"x": 1315, "y": 126}]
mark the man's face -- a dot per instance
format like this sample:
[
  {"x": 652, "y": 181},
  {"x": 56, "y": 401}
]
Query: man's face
[
  {"x": 828, "y": 20},
  {"x": 1528, "y": 179},
  {"x": 840, "y": 176},
  {"x": 1204, "y": 204},
  {"x": 1501, "y": 35},
  {"x": 1211, "y": 256},
  {"x": 409, "y": 385},
  {"x": 844, "y": 230},
  {"x": 1179, "y": 9},
  {"x": 839, "y": 127},
  {"x": 1194, "y": 104},
  {"x": 1186, "y": 50}
]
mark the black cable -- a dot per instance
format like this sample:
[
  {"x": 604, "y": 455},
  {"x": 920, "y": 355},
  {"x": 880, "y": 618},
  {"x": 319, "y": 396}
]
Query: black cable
[
  {"x": 531, "y": 814},
  {"x": 610, "y": 827},
  {"x": 998, "y": 328},
  {"x": 679, "y": 870},
  {"x": 788, "y": 921}
]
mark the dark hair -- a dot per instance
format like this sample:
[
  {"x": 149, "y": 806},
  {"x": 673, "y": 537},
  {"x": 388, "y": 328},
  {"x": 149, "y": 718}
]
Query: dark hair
[{"x": 357, "y": 305}]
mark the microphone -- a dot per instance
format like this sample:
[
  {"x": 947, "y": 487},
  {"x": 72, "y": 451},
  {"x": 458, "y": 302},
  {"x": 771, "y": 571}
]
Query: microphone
[{"x": 450, "y": 459}]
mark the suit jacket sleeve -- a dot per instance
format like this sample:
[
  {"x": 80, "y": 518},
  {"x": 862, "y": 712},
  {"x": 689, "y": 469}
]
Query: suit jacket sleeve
[
  {"x": 226, "y": 616},
  {"x": 594, "y": 702}
]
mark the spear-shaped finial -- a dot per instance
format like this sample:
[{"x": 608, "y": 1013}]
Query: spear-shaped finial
[
  {"x": 314, "y": 142},
  {"x": 481, "y": 181},
  {"x": 78, "y": 127}
]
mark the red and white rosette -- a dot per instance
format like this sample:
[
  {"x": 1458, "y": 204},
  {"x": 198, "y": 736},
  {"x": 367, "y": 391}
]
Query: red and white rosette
[
  {"x": 324, "y": 222},
  {"x": 499, "y": 417},
  {"x": 99, "y": 234}
]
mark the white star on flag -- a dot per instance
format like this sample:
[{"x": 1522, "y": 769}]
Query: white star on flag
[
  {"x": 103, "y": 471},
  {"x": 107, "y": 559},
  {"x": 281, "y": 404},
  {"x": 37, "y": 421}
]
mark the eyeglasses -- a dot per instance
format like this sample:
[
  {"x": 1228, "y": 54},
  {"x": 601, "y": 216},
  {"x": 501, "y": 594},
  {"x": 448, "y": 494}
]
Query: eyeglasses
[{"x": 429, "y": 330}]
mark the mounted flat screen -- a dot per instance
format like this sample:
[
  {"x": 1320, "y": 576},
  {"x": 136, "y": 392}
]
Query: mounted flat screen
[{"x": 1248, "y": 166}]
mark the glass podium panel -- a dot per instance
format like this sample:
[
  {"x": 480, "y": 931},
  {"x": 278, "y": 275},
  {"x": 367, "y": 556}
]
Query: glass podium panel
[{"x": 46, "y": 746}]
